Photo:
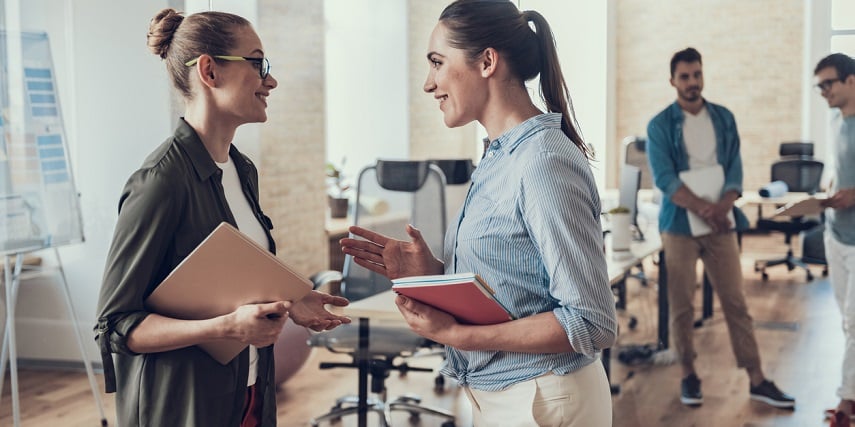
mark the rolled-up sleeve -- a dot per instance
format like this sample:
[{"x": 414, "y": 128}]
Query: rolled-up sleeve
[
  {"x": 662, "y": 165},
  {"x": 732, "y": 159},
  {"x": 563, "y": 219},
  {"x": 148, "y": 217}
]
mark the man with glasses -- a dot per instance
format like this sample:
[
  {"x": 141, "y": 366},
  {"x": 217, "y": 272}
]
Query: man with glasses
[
  {"x": 835, "y": 76},
  {"x": 693, "y": 136}
]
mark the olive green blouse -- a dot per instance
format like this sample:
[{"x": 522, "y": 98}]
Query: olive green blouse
[{"x": 167, "y": 208}]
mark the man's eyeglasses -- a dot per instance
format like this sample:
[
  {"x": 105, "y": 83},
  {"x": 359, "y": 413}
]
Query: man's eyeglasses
[
  {"x": 826, "y": 84},
  {"x": 262, "y": 64}
]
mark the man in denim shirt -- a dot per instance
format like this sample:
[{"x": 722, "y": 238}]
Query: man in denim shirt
[
  {"x": 835, "y": 77},
  {"x": 693, "y": 134}
]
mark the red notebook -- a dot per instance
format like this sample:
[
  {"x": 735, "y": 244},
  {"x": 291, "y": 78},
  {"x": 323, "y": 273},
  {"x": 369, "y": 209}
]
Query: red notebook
[{"x": 465, "y": 296}]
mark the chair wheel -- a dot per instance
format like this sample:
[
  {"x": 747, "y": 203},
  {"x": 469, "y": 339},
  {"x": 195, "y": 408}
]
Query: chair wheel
[
  {"x": 414, "y": 416},
  {"x": 825, "y": 272},
  {"x": 447, "y": 424},
  {"x": 765, "y": 277},
  {"x": 633, "y": 322},
  {"x": 809, "y": 276}
]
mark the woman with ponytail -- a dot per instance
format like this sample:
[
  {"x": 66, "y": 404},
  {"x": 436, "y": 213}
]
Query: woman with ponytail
[{"x": 530, "y": 226}]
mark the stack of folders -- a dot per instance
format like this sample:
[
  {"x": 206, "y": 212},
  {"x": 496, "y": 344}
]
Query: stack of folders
[
  {"x": 227, "y": 270},
  {"x": 466, "y": 296}
]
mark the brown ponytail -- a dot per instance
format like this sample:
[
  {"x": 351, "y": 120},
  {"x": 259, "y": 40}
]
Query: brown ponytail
[{"x": 474, "y": 25}]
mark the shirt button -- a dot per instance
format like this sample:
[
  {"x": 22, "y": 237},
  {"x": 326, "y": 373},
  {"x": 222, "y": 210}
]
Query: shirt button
[{"x": 491, "y": 154}]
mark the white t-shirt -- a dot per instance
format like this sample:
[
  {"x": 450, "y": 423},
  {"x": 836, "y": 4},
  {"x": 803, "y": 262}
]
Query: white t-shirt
[
  {"x": 248, "y": 224},
  {"x": 699, "y": 137}
]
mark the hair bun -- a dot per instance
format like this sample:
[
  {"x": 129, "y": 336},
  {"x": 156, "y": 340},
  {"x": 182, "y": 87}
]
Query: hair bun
[{"x": 161, "y": 29}]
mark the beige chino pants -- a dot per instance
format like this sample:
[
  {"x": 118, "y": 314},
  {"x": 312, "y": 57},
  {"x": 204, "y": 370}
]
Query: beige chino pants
[{"x": 720, "y": 254}]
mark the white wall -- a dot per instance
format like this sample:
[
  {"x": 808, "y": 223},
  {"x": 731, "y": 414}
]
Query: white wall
[
  {"x": 115, "y": 99},
  {"x": 366, "y": 78},
  {"x": 581, "y": 31}
]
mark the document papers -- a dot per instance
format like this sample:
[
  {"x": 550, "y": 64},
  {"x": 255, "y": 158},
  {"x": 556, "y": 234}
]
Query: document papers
[
  {"x": 808, "y": 206},
  {"x": 465, "y": 296},
  {"x": 226, "y": 270},
  {"x": 705, "y": 183}
]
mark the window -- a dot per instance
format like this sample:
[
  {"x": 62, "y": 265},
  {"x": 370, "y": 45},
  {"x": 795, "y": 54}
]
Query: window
[{"x": 843, "y": 26}]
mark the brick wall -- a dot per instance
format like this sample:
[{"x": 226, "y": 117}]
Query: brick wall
[
  {"x": 293, "y": 150},
  {"x": 752, "y": 55}
]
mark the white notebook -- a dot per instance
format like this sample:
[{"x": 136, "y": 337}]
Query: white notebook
[{"x": 707, "y": 184}]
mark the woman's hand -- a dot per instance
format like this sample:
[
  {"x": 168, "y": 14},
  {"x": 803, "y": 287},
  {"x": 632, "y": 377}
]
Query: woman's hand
[
  {"x": 257, "y": 324},
  {"x": 390, "y": 257},
  {"x": 426, "y": 321},
  {"x": 310, "y": 312}
]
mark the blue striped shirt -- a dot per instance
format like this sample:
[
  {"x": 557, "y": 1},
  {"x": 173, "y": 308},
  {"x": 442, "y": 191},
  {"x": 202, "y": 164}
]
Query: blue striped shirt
[{"x": 530, "y": 226}]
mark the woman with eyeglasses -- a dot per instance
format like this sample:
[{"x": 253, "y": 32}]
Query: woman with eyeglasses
[{"x": 190, "y": 184}]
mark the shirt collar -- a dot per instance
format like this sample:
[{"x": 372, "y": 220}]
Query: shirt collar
[
  {"x": 203, "y": 164},
  {"x": 511, "y": 139}
]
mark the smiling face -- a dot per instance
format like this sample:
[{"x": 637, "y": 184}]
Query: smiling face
[
  {"x": 455, "y": 82},
  {"x": 688, "y": 79},
  {"x": 838, "y": 94},
  {"x": 244, "y": 94}
]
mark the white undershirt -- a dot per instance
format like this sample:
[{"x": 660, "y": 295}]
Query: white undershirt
[
  {"x": 699, "y": 137},
  {"x": 248, "y": 224}
]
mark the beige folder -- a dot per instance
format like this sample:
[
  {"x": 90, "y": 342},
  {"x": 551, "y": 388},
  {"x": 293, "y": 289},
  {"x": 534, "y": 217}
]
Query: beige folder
[
  {"x": 806, "y": 206},
  {"x": 226, "y": 270}
]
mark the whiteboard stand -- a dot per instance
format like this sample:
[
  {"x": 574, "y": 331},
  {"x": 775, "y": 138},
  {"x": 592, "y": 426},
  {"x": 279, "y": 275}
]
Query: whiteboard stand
[{"x": 12, "y": 280}]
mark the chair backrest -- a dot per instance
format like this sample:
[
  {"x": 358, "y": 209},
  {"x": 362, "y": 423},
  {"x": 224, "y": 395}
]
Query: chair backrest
[
  {"x": 630, "y": 182},
  {"x": 401, "y": 192},
  {"x": 801, "y": 149},
  {"x": 800, "y": 174},
  {"x": 635, "y": 154}
]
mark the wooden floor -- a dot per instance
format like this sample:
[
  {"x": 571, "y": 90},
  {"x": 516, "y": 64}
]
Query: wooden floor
[{"x": 797, "y": 326}]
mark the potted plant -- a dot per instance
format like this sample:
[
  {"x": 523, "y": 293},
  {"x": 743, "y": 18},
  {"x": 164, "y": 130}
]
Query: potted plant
[
  {"x": 337, "y": 190},
  {"x": 620, "y": 228}
]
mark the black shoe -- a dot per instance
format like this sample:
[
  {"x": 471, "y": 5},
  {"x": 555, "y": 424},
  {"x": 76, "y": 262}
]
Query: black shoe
[
  {"x": 690, "y": 391},
  {"x": 768, "y": 393}
]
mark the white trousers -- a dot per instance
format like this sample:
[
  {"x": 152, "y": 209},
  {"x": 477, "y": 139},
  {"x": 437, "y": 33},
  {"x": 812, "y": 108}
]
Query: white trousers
[
  {"x": 841, "y": 273},
  {"x": 578, "y": 399}
]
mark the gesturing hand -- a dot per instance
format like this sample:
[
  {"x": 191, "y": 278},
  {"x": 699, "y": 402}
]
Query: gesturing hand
[
  {"x": 390, "y": 257},
  {"x": 309, "y": 312}
]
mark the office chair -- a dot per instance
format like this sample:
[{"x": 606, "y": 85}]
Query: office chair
[
  {"x": 635, "y": 154},
  {"x": 414, "y": 192},
  {"x": 795, "y": 149},
  {"x": 802, "y": 174}
]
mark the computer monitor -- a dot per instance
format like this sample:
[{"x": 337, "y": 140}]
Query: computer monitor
[{"x": 630, "y": 182}]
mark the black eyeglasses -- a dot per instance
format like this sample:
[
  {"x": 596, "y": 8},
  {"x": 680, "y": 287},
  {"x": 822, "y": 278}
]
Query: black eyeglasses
[
  {"x": 826, "y": 84},
  {"x": 262, "y": 64}
]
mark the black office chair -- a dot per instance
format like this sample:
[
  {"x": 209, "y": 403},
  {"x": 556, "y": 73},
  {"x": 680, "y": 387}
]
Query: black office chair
[
  {"x": 411, "y": 192},
  {"x": 801, "y": 174},
  {"x": 796, "y": 149},
  {"x": 635, "y": 154}
]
